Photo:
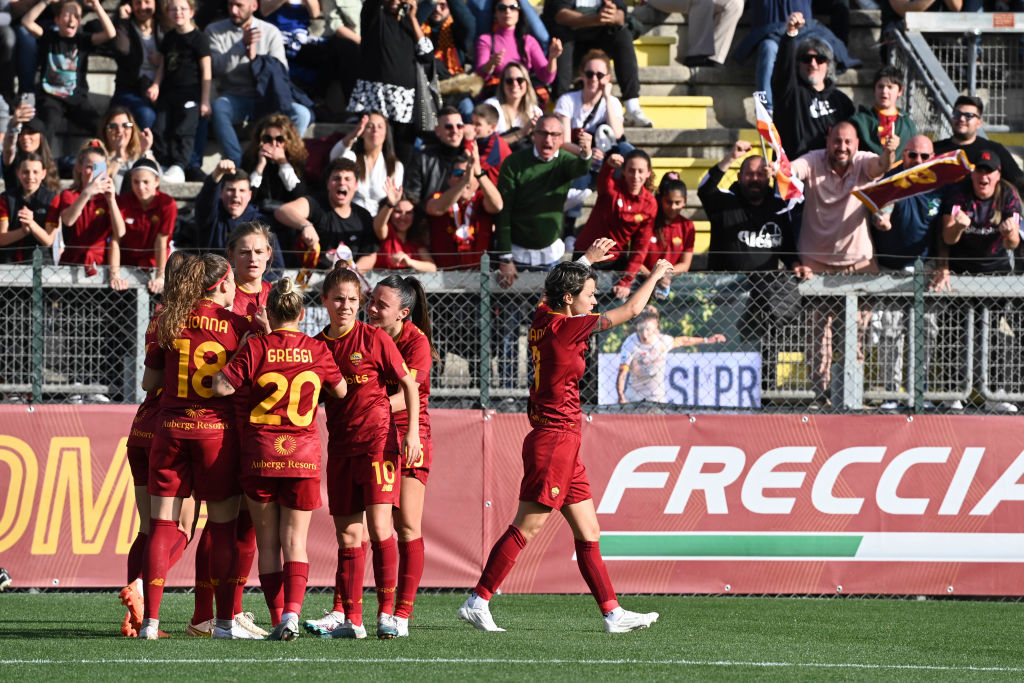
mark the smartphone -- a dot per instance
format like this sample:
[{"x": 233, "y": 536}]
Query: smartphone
[
  {"x": 98, "y": 168},
  {"x": 28, "y": 98}
]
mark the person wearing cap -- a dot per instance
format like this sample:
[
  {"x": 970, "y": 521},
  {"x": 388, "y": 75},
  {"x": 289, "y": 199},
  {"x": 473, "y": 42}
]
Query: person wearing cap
[
  {"x": 980, "y": 227},
  {"x": 27, "y": 134},
  {"x": 149, "y": 217},
  {"x": 967, "y": 122}
]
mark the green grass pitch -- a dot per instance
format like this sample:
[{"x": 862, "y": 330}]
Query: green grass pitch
[{"x": 74, "y": 636}]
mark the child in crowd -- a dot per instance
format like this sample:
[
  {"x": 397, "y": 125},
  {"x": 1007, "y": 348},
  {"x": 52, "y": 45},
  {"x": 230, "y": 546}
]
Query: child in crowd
[
  {"x": 23, "y": 209},
  {"x": 181, "y": 89},
  {"x": 883, "y": 118},
  {"x": 149, "y": 217},
  {"x": 674, "y": 234}
]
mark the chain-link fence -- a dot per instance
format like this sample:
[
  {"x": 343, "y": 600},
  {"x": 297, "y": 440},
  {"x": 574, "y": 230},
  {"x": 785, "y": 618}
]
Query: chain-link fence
[{"x": 714, "y": 342}]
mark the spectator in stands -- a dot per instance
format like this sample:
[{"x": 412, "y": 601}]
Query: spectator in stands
[
  {"x": 966, "y": 122},
  {"x": 238, "y": 47},
  {"x": 341, "y": 18},
  {"x": 223, "y": 203},
  {"x": 483, "y": 14},
  {"x": 63, "y": 91},
  {"x": 403, "y": 244},
  {"x": 834, "y": 235},
  {"x": 369, "y": 144},
  {"x": 980, "y": 228},
  {"x": 181, "y": 89},
  {"x": 462, "y": 217},
  {"x": 516, "y": 104},
  {"x": 343, "y": 230},
  {"x": 27, "y": 136},
  {"x": 149, "y": 218},
  {"x": 275, "y": 160},
  {"x": 768, "y": 20},
  {"x": 625, "y": 212},
  {"x": 89, "y": 213},
  {"x": 124, "y": 143},
  {"x": 902, "y": 233},
  {"x": 392, "y": 41},
  {"x": 8, "y": 40},
  {"x": 807, "y": 102},
  {"x": 342, "y": 26},
  {"x": 450, "y": 27},
  {"x": 884, "y": 118},
  {"x": 594, "y": 104},
  {"x": 303, "y": 50},
  {"x": 674, "y": 234},
  {"x": 138, "y": 32},
  {"x": 583, "y": 25},
  {"x": 430, "y": 167},
  {"x": 895, "y": 11},
  {"x": 508, "y": 41},
  {"x": 710, "y": 25},
  {"x": 491, "y": 147},
  {"x": 23, "y": 209}
]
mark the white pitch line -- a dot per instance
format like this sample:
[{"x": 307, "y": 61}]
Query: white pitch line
[{"x": 593, "y": 662}]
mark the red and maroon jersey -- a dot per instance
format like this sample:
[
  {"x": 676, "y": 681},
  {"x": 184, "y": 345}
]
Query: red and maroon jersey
[
  {"x": 415, "y": 349},
  {"x": 392, "y": 245},
  {"x": 462, "y": 235},
  {"x": 557, "y": 347},
  {"x": 284, "y": 372},
  {"x": 367, "y": 357},
  {"x": 676, "y": 239},
  {"x": 147, "y": 417},
  {"x": 246, "y": 303},
  {"x": 188, "y": 408},
  {"x": 142, "y": 226},
  {"x": 85, "y": 240}
]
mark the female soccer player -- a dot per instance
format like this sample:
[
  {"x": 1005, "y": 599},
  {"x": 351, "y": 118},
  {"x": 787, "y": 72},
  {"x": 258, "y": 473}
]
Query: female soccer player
[
  {"x": 284, "y": 371},
  {"x": 399, "y": 307},
  {"x": 362, "y": 458},
  {"x": 196, "y": 444},
  {"x": 554, "y": 477}
]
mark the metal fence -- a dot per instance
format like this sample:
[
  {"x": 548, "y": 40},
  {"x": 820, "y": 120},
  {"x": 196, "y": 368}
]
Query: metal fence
[{"x": 718, "y": 342}]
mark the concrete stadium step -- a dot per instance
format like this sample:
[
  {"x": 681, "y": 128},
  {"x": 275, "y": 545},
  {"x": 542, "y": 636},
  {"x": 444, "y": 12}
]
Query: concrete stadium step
[{"x": 677, "y": 111}]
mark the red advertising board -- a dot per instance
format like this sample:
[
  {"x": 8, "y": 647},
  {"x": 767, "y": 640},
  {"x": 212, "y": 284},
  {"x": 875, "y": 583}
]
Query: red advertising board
[{"x": 707, "y": 504}]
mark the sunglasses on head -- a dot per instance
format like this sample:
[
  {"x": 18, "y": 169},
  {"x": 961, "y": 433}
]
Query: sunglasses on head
[
  {"x": 507, "y": 8},
  {"x": 819, "y": 59},
  {"x": 594, "y": 74},
  {"x": 454, "y": 126},
  {"x": 923, "y": 156},
  {"x": 127, "y": 125},
  {"x": 514, "y": 80},
  {"x": 965, "y": 115},
  {"x": 267, "y": 139}
]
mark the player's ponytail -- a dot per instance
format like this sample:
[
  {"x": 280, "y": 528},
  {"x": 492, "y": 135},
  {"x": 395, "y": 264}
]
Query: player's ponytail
[
  {"x": 194, "y": 279},
  {"x": 412, "y": 296},
  {"x": 284, "y": 303}
]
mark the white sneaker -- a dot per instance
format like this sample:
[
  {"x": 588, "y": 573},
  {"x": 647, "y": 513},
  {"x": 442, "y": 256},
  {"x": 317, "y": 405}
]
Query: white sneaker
[
  {"x": 403, "y": 627},
  {"x": 235, "y": 632},
  {"x": 624, "y": 621},
  {"x": 174, "y": 174},
  {"x": 637, "y": 119},
  {"x": 387, "y": 626},
  {"x": 247, "y": 621},
  {"x": 575, "y": 198},
  {"x": 204, "y": 629},
  {"x": 478, "y": 617},
  {"x": 323, "y": 627},
  {"x": 150, "y": 630},
  {"x": 1000, "y": 407},
  {"x": 347, "y": 630},
  {"x": 287, "y": 629}
]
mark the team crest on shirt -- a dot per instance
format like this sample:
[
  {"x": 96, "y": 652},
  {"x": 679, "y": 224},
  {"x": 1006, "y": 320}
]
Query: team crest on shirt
[
  {"x": 154, "y": 219},
  {"x": 676, "y": 241},
  {"x": 100, "y": 211},
  {"x": 639, "y": 218},
  {"x": 356, "y": 358},
  {"x": 554, "y": 491},
  {"x": 284, "y": 445},
  {"x": 195, "y": 412}
]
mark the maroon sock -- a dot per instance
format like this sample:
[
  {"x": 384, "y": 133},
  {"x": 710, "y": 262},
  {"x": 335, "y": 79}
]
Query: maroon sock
[
  {"x": 204, "y": 585},
  {"x": 351, "y": 569},
  {"x": 385, "y": 573},
  {"x": 410, "y": 571},
  {"x": 154, "y": 571},
  {"x": 178, "y": 549},
  {"x": 136, "y": 557},
  {"x": 223, "y": 561},
  {"x": 588, "y": 557},
  {"x": 272, "y": 584},
  {"x": 500, "y": 561},
  {"x": 295, "y": 576},
  {"x": 245, "y": 533}
]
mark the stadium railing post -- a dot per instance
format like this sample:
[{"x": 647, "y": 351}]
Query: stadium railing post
[
  {"x": 37, "y": 325},
  {"x": 918, "y": 342},
  {"x": 485, "y": 331}
]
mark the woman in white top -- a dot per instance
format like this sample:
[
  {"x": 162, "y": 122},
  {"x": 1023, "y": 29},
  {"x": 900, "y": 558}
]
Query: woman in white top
[
  {"x": 592, "y": 106},
  {"x": 517, "y": 106},
  {"x": 370, "y": 145}
]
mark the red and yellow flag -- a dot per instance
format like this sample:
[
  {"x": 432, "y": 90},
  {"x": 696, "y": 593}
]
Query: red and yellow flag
[
  {"x": 929, "y": 175},
  {"x": 789, "y": 187}
]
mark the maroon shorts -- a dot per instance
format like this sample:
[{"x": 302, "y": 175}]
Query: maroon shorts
[
  {"x": 138, "y": 461},
  {"x": 357, "y": 481},
  {"x": 421, "y": 468},
  {"x": 207, "y": 466},
  {"x": 553, "y": 473},
  {"x": 297, "y": 493}
]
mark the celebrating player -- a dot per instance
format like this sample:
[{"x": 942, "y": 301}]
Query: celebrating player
[
  {"x": 362, "y": 459},
  {"x": 399, "y": 307},
  {"x": 196, "y": 443},
  {"x": 285, "y": 371},
  {"x": 554, "y": 477}
]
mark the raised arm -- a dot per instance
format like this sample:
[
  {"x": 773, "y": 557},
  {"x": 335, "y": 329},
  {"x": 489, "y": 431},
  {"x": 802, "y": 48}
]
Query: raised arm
[{"x": 638, "y": 300}]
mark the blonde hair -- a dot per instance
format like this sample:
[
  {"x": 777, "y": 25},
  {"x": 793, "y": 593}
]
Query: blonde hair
[{"x": 284, "y": 303}]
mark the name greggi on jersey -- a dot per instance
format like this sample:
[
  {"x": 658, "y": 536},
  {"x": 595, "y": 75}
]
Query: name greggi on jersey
[{"x": 289, "y": 356}]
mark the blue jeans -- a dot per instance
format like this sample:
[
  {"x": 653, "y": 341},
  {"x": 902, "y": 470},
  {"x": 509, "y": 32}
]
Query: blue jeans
[
  {"x": 483, "y": 13},
  {"x": 767, "y": 50},
  {"x": 229, "y": 110},
  {"x": 140, "y": 107}
]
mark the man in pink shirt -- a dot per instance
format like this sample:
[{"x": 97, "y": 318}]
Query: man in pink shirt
[{"x": 834, "y": 235}]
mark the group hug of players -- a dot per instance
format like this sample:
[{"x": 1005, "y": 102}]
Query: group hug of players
[{"x": 233, "y": 388}]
